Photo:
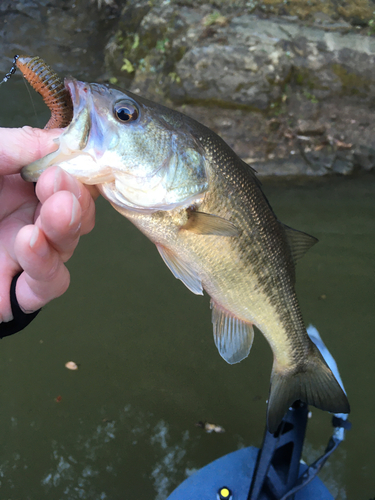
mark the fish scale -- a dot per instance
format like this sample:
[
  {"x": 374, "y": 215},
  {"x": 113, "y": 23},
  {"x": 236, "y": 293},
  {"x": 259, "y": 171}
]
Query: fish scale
[{"x": 204, "y": 209}]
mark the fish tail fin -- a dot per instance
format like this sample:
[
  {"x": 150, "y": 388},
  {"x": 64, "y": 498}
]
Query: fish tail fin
[{"x": 313, "y": 383}]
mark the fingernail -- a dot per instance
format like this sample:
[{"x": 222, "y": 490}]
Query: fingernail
[
  {"x": 34, "y": 236},
  {"x": 76, "y": 211},
  {"x": 42, "y": 248},
  {"x": 57, "y": 180}
]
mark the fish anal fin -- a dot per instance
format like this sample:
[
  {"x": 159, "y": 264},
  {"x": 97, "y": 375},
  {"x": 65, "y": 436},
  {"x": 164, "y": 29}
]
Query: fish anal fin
[
  {"x": 233, "y": 337},
  {"x": 299, "y": 242},
  {"x": 181, "y": 270},
  {"x": 202, "y": 223},
  {"x": 314, "y": 384}
]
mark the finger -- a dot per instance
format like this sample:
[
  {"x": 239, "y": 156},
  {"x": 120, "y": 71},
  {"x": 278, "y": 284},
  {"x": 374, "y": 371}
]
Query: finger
[
  {"x": 45, "y": 277},
  {"x": 54, "y": 179},
  {"x": 60, "y": 220},
  {"x": 9, "y": 268},
  {"x": 21, "y": 146}
]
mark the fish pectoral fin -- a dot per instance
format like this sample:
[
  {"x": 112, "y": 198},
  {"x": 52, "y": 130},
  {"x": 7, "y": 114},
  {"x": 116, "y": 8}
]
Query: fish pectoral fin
[
  {"x": 181, "y": 270},
  {"x": 202, "y": 223},
  {"x": 313, "y": 383},
  {"x": 233, "y": 336},
  {"x": 299, "y": 242}
]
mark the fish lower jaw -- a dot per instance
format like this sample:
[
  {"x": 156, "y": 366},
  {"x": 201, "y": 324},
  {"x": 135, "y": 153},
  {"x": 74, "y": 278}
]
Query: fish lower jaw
[{"x": 150, "y": 201}]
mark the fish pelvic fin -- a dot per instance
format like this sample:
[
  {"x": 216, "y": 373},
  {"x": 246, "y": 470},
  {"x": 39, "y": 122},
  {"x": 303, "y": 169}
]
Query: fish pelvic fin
[
  {"x": 233, "y": 337},
  {"x": 181, "y": 270},
  {"x": 313, "y": 383}
]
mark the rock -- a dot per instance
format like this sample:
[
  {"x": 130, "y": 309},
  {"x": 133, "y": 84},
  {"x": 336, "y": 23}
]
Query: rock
[
  {"x": 343, "y": 167},
  {"x": 70, "y": 36},
  {"x": 343, "y": 163},
  {"x": 232, "y": 75},
  {"x": 364, "y": 158},
  {"x": 309, "y": 127},
  {"x": 258, "y": 73},
  {"x": 295, "y": 165},
  {"x": 245, "y": 61}
]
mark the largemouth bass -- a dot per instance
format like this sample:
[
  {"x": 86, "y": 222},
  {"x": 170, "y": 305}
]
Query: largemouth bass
[{"x": 204, "y": 209}]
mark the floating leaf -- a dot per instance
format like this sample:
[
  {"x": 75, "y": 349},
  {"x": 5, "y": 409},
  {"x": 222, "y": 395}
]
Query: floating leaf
[{"x": 70, "y": 365}]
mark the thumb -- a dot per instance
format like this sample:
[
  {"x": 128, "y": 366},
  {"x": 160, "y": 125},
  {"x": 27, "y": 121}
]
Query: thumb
[{"x": 21, "y": 146}]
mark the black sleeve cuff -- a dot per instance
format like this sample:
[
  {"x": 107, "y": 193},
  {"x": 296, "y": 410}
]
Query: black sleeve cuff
[{"x": 20, "y": 319}]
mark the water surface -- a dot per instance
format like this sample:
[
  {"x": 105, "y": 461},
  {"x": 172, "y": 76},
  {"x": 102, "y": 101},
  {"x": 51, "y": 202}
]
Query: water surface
[{"x": 148, "y": 366}]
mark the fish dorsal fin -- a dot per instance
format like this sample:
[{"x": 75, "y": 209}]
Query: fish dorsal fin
[
  {"x": 181, "y": 270},
  {"x": 202, "y": 223},
  {"x": 299, "y": 242},
  {"x": 233, "y": 336}
]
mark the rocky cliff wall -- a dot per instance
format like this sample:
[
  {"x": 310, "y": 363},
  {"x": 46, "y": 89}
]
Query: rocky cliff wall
[{"x": 291, "y": 87}]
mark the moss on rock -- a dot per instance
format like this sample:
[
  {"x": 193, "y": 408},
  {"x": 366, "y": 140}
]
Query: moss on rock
[{"x": 352, "y": 83}]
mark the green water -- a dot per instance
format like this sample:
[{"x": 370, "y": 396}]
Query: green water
[{"x": 148, "y": 366}]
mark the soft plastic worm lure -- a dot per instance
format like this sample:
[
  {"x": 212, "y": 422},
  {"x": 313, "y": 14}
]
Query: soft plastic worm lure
[{"x": 48, "y": 84}]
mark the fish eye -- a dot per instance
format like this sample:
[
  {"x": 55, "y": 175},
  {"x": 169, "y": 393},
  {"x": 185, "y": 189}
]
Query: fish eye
[{"x": 126, "y": 112}]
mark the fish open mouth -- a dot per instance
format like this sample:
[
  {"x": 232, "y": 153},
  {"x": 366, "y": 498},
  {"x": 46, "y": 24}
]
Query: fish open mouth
[
  {"x": 76, "y": 89},
  {"x": 82, "y": 94},
  {"x": 69, "y": 85}
]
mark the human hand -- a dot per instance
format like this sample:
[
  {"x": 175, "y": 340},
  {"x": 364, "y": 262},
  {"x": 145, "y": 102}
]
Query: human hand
[{"x": 39, "y": 229}]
